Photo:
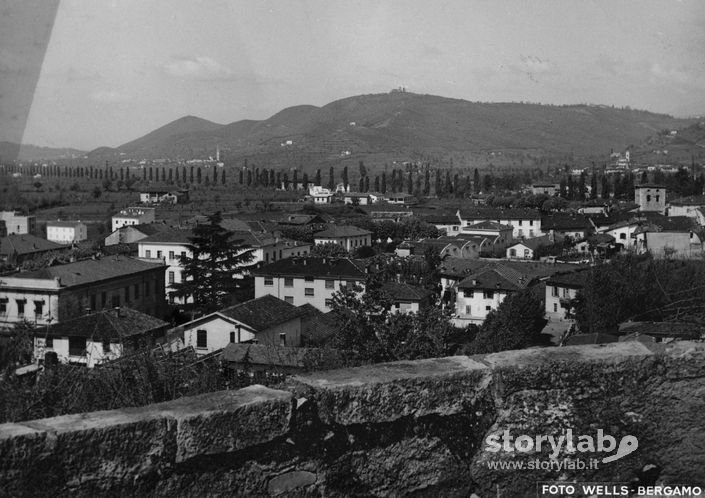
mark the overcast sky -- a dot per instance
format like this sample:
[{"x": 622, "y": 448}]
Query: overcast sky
[{"x": 115, "y": 70}]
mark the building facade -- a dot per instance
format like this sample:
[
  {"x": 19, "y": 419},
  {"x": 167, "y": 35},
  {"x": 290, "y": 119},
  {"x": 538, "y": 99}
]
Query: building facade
[
  {"x": 133, "y": 216},
  {"x": 66, "y": 232},
  {"x": 16, "y": 223}
]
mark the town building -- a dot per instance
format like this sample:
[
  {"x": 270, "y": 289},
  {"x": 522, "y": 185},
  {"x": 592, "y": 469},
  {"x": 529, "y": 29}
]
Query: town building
[
  {"x": 159, "y": 196},
  {"x": 650, "y": 197},
  {"x": 348, "y": 236},
  {"x": 524, "y": 222},
  {"x": 574, "y": 225},
  {"x": 407, "y": 298},
  {"x": 526, "y": 249},
  {"x": 358, "y": 199},
  {"x": 449, "y": 223},
  {"x": 265, "y": 320},
  {"x": 16, "y": 249},
  {"x": 545, "y": 188},
  {"x": 483, "y": 292},
  {"x": 99, "y": 337},
  {"x": 400, "y": 198},
  {"x": 499, "y": 234},
  {"x": 320, "y": 195},
  {"x": 309, "y": 280},
  {"x": 666, "y": 237},
  {"x": 66, "y": 232},
  {"x": 561, "y": 288},
  {"x": 16, "y": 223},
  {"x": 3, "y": 229},
  {"x": 131, "y": 234},
  {"x": 692, "y": 207},
  {"x": 62, "y": 292},
  {"x": 133, "y": 216}
]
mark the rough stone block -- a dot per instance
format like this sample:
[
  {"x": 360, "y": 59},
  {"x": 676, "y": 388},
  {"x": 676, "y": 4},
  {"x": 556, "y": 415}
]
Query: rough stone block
[
  {"x": 389, "y": 391},
  {"x": 289, "y": 481},
  {"x": 229, "y": 420}
]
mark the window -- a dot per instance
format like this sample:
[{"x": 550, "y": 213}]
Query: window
[
  {"x": 308, "y": 279},
  {"x": 282, "y": 339},
  {"x": 657, "y": 198},
  {"x": 171, "y": 277},
  {"x": 648, "y": 198},
  {"x": 77, "y": 346},
  {"x": 488, "y": 308},
  {"x": 527, "y": 253},
  {"x": 116, "y": 301},
  {"x": 513, "y": 252},
  {"x": 3, "y": 306},
  {"x": 232, "y": 337},
  {"x": 555, "y": 307},
  {"x": 38, "y": 309},
  {"x": 171, "y": 255},
  {"x": 289, "y": 299},
  {"x": 554, "y": 291},
  {"x": 488, "y": 294},
  {"x": 329, "y": 303},
  {"x": 521, "y": 222},
  {"x": 622, "y": 236},
  {"x": 467, "y": 310},
  {"x": 308, "y": 291},
  {"x": 531, "y": 223},
  {"x": 147, "y": 253},
  {"x": 268, "y": 281},
  {"x": 266, "y": 258},
  {"x": 565, "y": 292},
  {"x": 49, "y": 342},
  {"x": 159, "y": 254},
  {"x": 20, "y": 307},
  {"x": 106, "y": 346},
  {"x": 288, "y": 282},
  {"x": 330, "y": 284},
  {"x": 201, "y": 339},
  {"x": 183, "y": 254}
]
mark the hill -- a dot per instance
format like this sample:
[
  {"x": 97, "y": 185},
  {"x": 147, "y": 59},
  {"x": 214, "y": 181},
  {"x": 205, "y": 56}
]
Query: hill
[
  {"x": 10, "y": 151},
  {"x": 407, "y": 126}
]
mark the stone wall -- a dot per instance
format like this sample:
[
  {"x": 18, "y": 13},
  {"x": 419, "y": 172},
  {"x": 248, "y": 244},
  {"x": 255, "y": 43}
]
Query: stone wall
[{"x": 413, "y": 428}]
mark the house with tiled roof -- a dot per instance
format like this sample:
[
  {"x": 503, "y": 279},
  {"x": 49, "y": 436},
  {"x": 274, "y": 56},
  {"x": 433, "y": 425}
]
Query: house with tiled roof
[
  {"x": 448, "y": 222},
  {"x": 460, "y": 246},
  {"x": 266, "y": 320},
  {"x": 692, "y": 207},
  {"x": 669, "y": 236},
  {"x": 348, "y": 236},
  {"x": 130, "y": 234},
  {"x": 574, "y": 225},
  {"x": 526, "y": 249},
  {"x": 309, "y": 280},
  {"x": 133, "y": 216},
  {"x": 66, "y": 232},
  {"x": 407, "y": 298},
  {"x": 561, "y": 288},
  {"x": 98, "y": 337},
  {"x": 58, "y": 293},
  {"x": 16, "y": 248},
  {"x": 499, "y": 234},
  {"x": 524, "y": 222}
]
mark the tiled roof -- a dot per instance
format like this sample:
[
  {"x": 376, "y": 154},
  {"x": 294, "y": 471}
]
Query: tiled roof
[
  {"x": 262, "y": 313},
  {"x": 91, "y": 270},
  {"x": 491, "y": 278},
  {"x": 405, "y": 292},
  {"x": 108, "y": 324},
  {"x": 64, "y": 224},
  {"x": 649, "y": 185},
  {"x": 260, "y": 354},
  {"x": 441, "y": 219},
  {"x": 170, "y": 237},
  {"x": 565, "y": 221},
  {"x": 693, "y": 200},
  {"x": 488, "y": 225},
  {"x": 342, "y": 231},
  {"x": 594, "y": 338},
  {"x": 340, "y": 268},
  {"x": 663, "y": 329},
  {"x": 499, "y": 214},
  {"x": 147, "y": 228},
  {"x": 571, "y": 280},
  {"x": 534, "y": 243},
  {"x": 27, "y": 244}
]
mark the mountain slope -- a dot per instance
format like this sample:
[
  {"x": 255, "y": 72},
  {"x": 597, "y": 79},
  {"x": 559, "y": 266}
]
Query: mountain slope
[{"x": 406, "y": 124}]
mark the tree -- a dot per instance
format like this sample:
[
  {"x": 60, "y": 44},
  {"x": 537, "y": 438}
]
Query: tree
[
  {"x": 317, "y": 180},
  {"x": 476, "y": 181},
  {"x": 328, "y": 250},
  {"x": 209, "y": 274},
  {"x": 331, "y": 179},
  {"x": 517, "y": 323},
  {"x": 345, "y": 178},
  {"x": 222, "y": 177}
]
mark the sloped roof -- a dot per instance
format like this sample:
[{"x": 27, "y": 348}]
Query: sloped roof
[
  {"x": 533, "y": 243},
  {"x": 405, "y": 292},
  {"x": 488, "y": 225},
  {"x": 594, "y": 338},
  {"x": 441, "y": 219},
  {"x": 64, "y": 224},
  {"x": 477, "y": 213},
  {"x": 492, "y": 279},
  {"x": 342, "y": 231},
  {"x": 260, "y": 354},
  {"x": 107, "y": 324},
  {"x": 91, "y": 270},
  {"x": 27, "y": 244},
  {"x": 182, "y": 236},
  {"x": 565, "y": 221},
  {"x": 663, "y": 329},
  {"x": 693, "y": 200},
  {"x": 340, "y": 268},
  {"x": 262, "y": 313},
  {"x": 571, "y": 280}
]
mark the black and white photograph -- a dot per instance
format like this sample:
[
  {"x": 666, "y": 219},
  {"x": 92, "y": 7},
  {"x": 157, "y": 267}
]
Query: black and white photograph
[{"x": 352, "y": 248}]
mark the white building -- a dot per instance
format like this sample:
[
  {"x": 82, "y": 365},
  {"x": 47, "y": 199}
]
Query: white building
[
  {"x": 524, "y": 222},
  {"x": 66, "y": 232},
  {"x": 133, "y": 216},
  {"x": 650, "y": 197},
  {"x": 16, "y": 223},
  {"x": 320, "y": 195},
  {"x": 482, "y": 293},
  {"x": 348, "y": 236},
  {"x": 265, "y": 320},
  {"x": 312, "y": 281}
]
